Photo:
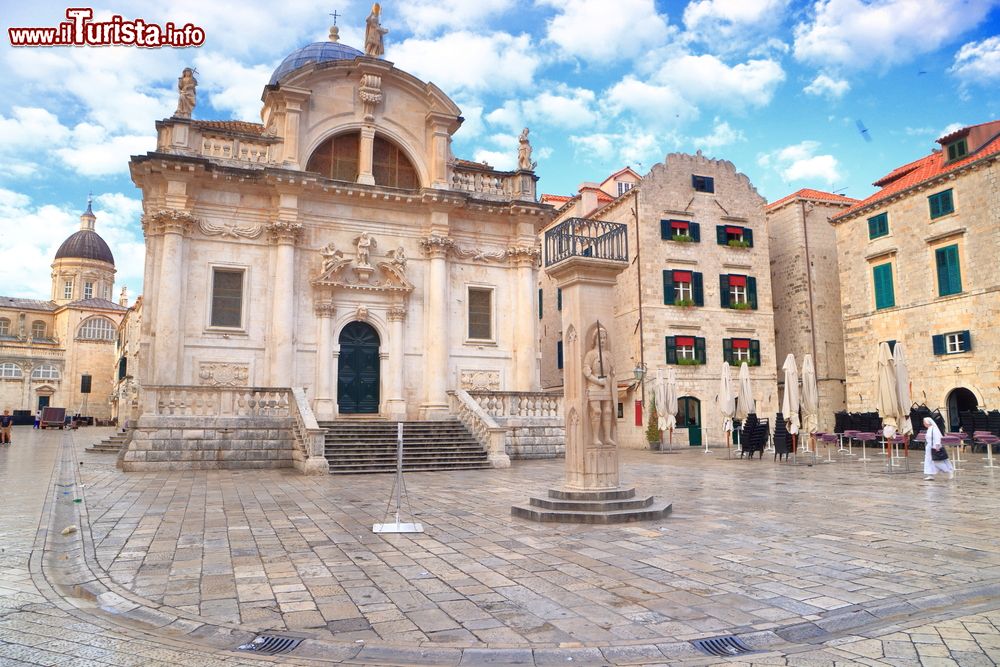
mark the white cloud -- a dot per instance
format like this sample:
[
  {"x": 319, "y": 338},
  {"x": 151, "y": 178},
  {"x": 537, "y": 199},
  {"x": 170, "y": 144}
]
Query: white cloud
[
  {"x": 657, "y": 105},
  {"x": 595, "y": 31},
  {"x": 799, "y": 162},
  {"x": 722, "y": 135},
  {"x": 426, "y": 16},
  {"x": 707, "y": 79},
  {"x": 465, "y": 61},
  {"x": 858, "y": 34},
  {"x": 92, "y": 153},
  {"x": 473, "y": 125},
  {"x": 230, "y": 86},
  {"x": 30, "y": 127},
  {"x": 827, "y": 86},
  {"x": 510, "y": 115},
  {"x": 978, "y": 63},
  {"x": 613, "y": 150},
  {"x": 502, "y": 160},
  {"x": 729, "y": 25},
  {"x": 566, "y": 107}
]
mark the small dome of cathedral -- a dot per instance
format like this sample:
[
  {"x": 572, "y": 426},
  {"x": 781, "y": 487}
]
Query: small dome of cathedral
[
  {"x": 86, "y": 243},
  {"x": 317, "y": 52}
]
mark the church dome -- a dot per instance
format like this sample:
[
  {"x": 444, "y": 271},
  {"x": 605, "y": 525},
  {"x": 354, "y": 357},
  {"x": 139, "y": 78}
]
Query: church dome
[
  {"x": 317, "y": 52},
  {"x": 85, "y": 244}
]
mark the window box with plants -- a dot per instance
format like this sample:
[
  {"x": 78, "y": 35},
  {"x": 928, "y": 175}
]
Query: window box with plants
[
  {"x": 684, "y": 361},
  {"x": 741, "y": 306},
  {"x": 684, "y": 303},
  {"x": 738, "y": 243},
  {"x": 682, "y": 238}
]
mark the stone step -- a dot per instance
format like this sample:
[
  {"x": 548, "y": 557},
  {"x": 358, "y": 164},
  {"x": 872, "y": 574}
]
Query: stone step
[
  {"x": 359, "y": 446},
  {"x": 357, "y": 453},
  {"x": 354, "y": 470},
  {"x": 375, "y": 440},
  {"x": 587, "y": 506},
  {"x": 655, "y": 511}
]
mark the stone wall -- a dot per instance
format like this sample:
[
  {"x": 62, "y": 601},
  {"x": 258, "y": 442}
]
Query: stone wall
[
  {"x": 535, "y": 437},
  {"x": 210, "y": 443}
]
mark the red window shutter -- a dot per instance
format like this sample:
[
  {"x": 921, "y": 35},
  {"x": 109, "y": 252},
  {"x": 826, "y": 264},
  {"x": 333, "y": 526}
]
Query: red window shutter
[
  {"x": 638, "y": 413},
  {"x": 739, "y": 281},
  {"x": 741, "y": 343},
  {"x": 685, "y": 341},
  {"x": 682, "y": 276},
  {"x": 734, "y": 230}
]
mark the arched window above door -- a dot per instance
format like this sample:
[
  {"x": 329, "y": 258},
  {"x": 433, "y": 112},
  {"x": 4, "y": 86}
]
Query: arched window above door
[{"x": 337, "y": 158}]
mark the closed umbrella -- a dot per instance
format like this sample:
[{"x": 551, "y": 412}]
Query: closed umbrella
[
  {"x": 660, "y": 398},
  {"x": 725, "y": 402},
  {"x": 810, "y": 397},
  {"x": 745, "y": 405},
  {"x": 903, "y": 389},
  {"x": 671, "y": 403},
  {"x": 887, "y": 396},
  {"x": 790, "y": 401}
]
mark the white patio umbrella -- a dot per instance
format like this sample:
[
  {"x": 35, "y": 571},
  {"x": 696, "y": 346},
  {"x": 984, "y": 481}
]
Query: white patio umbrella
[
  {"x": 887, "y": 396},
  {"x": 725, "y": 402},
  {"x": 903, "y": 389},
  {"x": 810, "y": 397},
  {"x": 790, "y": 401},
  {"x": 671, "y": 404},
  {"x": 745, "y": 405},
  {"x": 660, "y": 401}
]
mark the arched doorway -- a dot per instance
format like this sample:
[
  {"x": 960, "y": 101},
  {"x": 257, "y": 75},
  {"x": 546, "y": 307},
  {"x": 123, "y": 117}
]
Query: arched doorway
[
  {"x": 358, "y": 370},
  {"x": 689, "y": 417},
  {"x": 960, "y": 400}
]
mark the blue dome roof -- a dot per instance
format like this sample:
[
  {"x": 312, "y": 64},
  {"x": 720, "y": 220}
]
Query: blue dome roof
[{"x": 317, "y": 52}]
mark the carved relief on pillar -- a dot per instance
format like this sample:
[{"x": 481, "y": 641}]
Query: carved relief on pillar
[
  {"x": 370, "y": 94},
  {"x": 223, "y": 374},
  {"x": 479, "y": 380},
  {"x": 435, "y": 246},
  {"x": 523, "y": 255},
  {"x": 601, "y": 389},
  {"x": 230, "y": 230},
  {"x": 396, "y": 314},
  {"x": 324, "y": 309},
  {"x": 166, "y": 221},
  {"x": 283, "y": 232}
]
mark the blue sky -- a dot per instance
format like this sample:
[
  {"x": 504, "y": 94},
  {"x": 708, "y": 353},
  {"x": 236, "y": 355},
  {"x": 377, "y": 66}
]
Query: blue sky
[{"x": 775, "y": 86}]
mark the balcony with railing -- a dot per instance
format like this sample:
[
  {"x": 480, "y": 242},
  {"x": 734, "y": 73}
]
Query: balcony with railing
[{"x": 579, "y": 237}]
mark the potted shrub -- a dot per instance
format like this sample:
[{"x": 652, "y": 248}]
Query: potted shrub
[
  {"x": 684, "y": 303},
  {"x": 684, "y": 361},
  {"x": 682, "y": 238},
  {"x": 741, "y": 306},
  {"x": 739, "y": 243}
]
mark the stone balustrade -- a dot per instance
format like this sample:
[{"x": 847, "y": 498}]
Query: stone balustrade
[
  {"x": 309, "y": 437},
  {"x": 532, "y": 421},
  {"x": 223, "y": 145},
  {"x": 198, "y": 401},
  {"x": 504, "y": 404},
  {"x": 486, "y": 183},
  {"x": 486, "y": 431}
]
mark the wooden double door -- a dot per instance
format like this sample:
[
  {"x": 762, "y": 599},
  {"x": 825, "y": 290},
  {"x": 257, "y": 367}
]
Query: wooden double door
[{"x": 358, "y": 370}]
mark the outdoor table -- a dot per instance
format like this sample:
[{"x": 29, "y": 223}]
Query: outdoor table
[
  {"x": 954, "y": 441},
  {"x": 958, "y": 447},
  {"x": 828, "y": 439},
  {"x": 894, "y": 446},
  {"x": 850, "y": 436},
  {"x": 989, "y": 440},
  {"x": 864, "y": 438}
]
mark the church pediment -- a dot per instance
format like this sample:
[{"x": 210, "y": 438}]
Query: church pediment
[{"x": 359, "y": 274}]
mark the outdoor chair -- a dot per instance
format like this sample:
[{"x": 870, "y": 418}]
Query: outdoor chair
[
  {"x": 754, "y": 437},
  {"x": 782, "y": 438}
]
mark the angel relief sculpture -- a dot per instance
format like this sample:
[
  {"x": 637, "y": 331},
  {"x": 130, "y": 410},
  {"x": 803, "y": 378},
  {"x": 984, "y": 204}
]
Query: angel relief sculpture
[
  {"x": 365, "y": 244},
  {"x": 332, "y": 258}
]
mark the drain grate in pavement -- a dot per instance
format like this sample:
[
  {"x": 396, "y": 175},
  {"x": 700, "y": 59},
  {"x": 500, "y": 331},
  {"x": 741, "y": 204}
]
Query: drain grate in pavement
[
  {"x": 270, "y": 645},
  {"x": 722, "y": 646}
]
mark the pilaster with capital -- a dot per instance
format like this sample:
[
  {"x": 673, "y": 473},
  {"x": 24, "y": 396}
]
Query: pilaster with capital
[
  {"x": 524, "y": 258},
  {"x": 366, "y": 146},
  {"x": 284, "y": 234},
  {"x": 435, "y": 403},
  {"x": 325, "y": 404},
  {"x": 396, "y": 403}
]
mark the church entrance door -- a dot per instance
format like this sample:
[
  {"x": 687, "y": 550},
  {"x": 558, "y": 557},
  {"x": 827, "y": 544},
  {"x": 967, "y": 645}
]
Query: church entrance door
[{"x": 358, "y": 370}]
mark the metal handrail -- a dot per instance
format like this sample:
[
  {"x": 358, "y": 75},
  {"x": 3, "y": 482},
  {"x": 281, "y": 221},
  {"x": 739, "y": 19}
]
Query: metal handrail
[{"x": 579, "y": 237}]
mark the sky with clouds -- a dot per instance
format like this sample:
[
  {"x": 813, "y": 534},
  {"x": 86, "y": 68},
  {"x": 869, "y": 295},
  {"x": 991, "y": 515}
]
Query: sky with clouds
[{"x": 779, "y": 87}]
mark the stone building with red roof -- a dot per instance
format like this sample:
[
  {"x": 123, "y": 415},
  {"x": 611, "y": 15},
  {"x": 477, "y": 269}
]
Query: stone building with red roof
[{"x": 918, "y": 264}]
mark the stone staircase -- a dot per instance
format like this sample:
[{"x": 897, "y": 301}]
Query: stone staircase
[
  {"x": 110, "y": 445},
  {"x": 369, "y": 446}
]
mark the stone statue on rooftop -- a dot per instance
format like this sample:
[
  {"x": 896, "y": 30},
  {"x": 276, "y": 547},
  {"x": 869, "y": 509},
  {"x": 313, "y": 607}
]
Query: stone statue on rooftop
[
  {"x": 187, "y": 97},
  {"x": 374, "y": 32},
  {"x": 524, "y": 152}
]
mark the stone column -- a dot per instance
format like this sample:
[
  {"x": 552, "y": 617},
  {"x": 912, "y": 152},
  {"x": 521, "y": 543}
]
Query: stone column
[
  {"x": 325, "y": 403},
  {"x": 524, "y": 339},
  {"x": 436, "y": 342},
  {"x": 396, "y": 403},
  {"x": 365, "y": 147},
  {"x": 168, "y": 326},
  {"x": 284, "y": 235},
  {"x": 588, "y": 286}
]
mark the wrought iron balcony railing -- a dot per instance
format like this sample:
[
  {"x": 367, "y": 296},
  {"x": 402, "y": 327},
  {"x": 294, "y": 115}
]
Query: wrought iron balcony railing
[{"x": 578, "y": 237}]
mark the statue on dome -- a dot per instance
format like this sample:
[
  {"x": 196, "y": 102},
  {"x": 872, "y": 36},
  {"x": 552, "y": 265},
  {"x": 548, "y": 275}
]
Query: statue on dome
[
  {"x": 374, "y": 32},
  {"x": 186, "y": 89},
  {"x": 524, "y": 153}
]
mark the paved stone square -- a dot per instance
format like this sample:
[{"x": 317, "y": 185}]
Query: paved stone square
[{"x": 827, "y": 564}]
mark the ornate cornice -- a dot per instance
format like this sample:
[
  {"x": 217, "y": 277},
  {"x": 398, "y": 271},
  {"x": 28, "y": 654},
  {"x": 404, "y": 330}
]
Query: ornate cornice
[
  {"x": 167, "y": 221},
  {"x": 435, "y": 246},
  {"x": 282, "y": 232}
]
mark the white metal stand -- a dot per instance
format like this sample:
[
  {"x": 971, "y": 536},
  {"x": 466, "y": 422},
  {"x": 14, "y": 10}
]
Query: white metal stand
[{"x": 398, "y": 489}]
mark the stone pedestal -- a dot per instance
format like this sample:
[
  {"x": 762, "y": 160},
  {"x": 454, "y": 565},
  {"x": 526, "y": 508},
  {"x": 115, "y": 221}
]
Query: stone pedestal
[{"x": 592, "y": 492}]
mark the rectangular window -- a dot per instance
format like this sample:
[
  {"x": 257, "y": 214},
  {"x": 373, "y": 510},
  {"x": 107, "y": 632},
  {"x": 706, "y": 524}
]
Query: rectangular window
[
  {"x": 739, "y": 292},
  {"x": 623, "y": 188},
  {"x": 738, "y": 350},
  {"x": 731, "y": 235},
  {"x": 559, "y": 354},
  {"x": 878, "y": 226},
  {"x": 941, "y": 204},
  {"x": 685, "y": 347},
  {"x": 948, "y": 272},
  {"x": 957, "y": 149},
  {"x": 88, "y": 290},
  {"x": 68, "y": 289},
  {"x": 955, "y": 342},
  {"x": 884, "y": 295},
  {"x": 683, "y": 288},
  {"x": 558, "y": 299},
  {"x": 539, "y": 303},
  {"x": 227, "y": 298},
  {"x": 703, "y": 183},
  {"x": 480, "y": 313},
  {"x": 680, "y": 230}
]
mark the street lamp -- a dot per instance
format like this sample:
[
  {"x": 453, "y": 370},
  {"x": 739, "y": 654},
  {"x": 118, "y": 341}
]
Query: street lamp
[{"x": 640, "y": 372}]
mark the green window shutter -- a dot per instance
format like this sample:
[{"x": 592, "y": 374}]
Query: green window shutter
[
  {"x": 724, "y": 290},
  {"x": 699, "y": 349},
  {"x": 665, "y": 232},
  {"x": 941, "y": 204},
  {"x": 727, "y": 349},
  {"x": 878, "y": 226},
  {"x": 748, "y": 236},
  {"x": 949, "y": 273},
  {"x": 752, "y": 292},
  {"x": 671, "y": 350},
  {"x": 539, "y": 303},
  {"x": 872, "y": 228},
  {"x": 558, "y": 299},
  {"x": 884, "y": 295},
  {"x": 720, "y": 235},
  {"x": 697, "y": 289},
  {"x": 559, "y": 354},
  {"x": 754, "y": 353},
  {"x": 668, "y": 288},
  {"x": 966, "y": 341},
  {"x": 694, "y": 229},
  {"x": 938, "y": 343}
]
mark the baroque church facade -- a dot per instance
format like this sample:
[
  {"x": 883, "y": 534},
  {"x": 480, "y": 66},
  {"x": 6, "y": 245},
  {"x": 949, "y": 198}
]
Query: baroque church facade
[{"x": 338, "y": 246}]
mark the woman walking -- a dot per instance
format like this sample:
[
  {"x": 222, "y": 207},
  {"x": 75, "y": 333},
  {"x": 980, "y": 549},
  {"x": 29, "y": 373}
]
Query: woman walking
[{"x": 935, "y": 455}]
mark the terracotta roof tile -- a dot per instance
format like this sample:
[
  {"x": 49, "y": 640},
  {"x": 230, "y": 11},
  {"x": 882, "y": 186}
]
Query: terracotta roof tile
[
  {"x": 556, "y": 197},
  {"x": 816, "y": 195},
  {"x": 926, "y": 168},
  {"x": 26, "y": 304},
  {"x": 230, "y": 126}
]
